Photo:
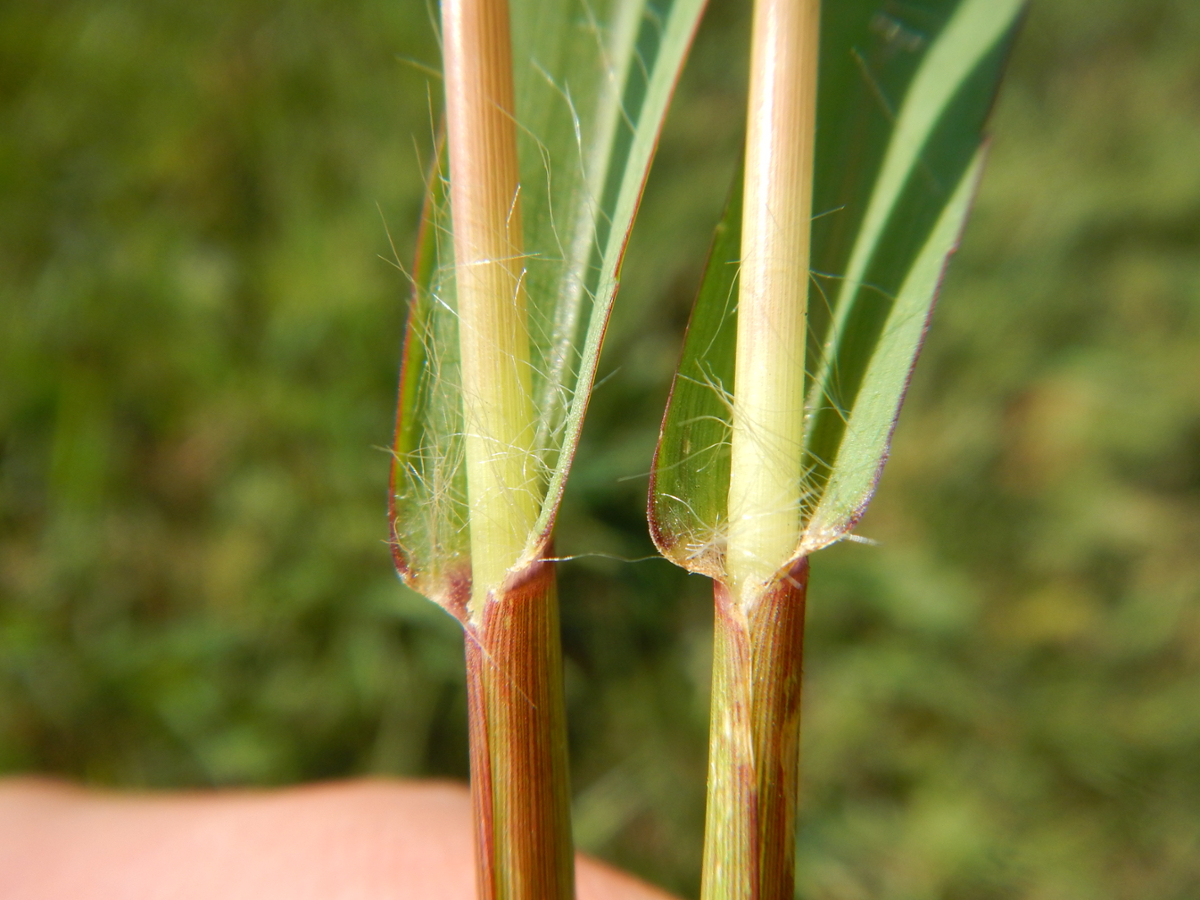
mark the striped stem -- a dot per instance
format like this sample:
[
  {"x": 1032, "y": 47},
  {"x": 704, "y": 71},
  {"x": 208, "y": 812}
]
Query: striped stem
[
  {"x": 754, "y": 743},
  {"x": 759, "y": 632},
  {"x": 519, "y": 779}
]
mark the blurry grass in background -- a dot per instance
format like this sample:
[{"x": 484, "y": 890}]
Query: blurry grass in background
[{"x": 198, "y": 356}]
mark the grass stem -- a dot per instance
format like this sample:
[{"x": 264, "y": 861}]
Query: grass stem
[
  {"x": 768, "y": 408},
  {"x": 493, "y": 340},
  {"x": 759, "y": 626},
  {"x": 519, "y": 779}
]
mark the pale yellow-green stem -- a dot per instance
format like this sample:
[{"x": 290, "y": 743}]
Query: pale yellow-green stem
[
  {"x": 759, "y": 627},
  {"x": 768, "y": 406},
  {"x": 493, "y": 340}
]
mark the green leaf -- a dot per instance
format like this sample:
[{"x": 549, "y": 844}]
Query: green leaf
[
  {"x": 592, "y": 85},
  {"x": 903, "y": 96}
]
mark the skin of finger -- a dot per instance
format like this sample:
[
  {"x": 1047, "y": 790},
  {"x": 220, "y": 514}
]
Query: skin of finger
[{"x": 362, "y": 840}]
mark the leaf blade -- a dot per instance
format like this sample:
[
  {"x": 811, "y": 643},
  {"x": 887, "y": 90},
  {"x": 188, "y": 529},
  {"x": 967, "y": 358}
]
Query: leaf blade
[
  {"x": 899, "y": 133},
  {"x": 872, "y": 420},
  {"x": 592, "y": 86}
]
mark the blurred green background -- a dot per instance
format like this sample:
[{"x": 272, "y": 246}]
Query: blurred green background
[{"x": 199, "y": 341}]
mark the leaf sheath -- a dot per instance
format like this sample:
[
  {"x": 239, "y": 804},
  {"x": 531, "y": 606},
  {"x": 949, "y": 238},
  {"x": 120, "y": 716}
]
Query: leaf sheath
[
  {"x": 519, "y": 783},
  {"x": 749, "y": 836}
]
